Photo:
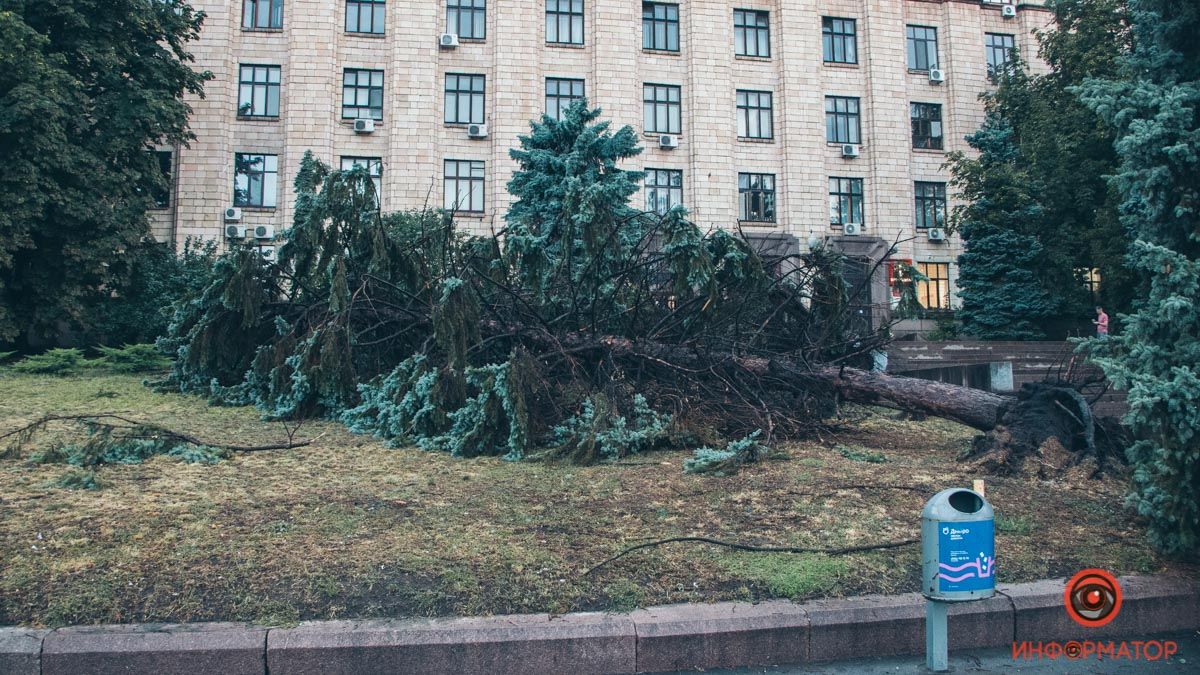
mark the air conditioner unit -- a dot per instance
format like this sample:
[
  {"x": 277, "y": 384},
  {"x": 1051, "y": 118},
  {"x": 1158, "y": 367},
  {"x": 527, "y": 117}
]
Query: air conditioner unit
[
  {"x": 849, "y": 150},
  {"x": 364, "y": 126},
  {"x": 668, "y": 141},
  {"x": 264, "y": 232},
  {"x": 937, "y": 234},
  {"x": 268, "y": 253},
  {"x": 852, "y": 229},
  {"x": 1008, "y": 11},
  {"x": 235, "y": 231},
  {"x": 936, "y": 76},
  {"x": 447, "y": 40},
  {"x": 477, "y": 130},
  {"x": 233, "y": 214}
]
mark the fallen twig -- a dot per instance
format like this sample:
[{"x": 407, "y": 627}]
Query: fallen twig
[
  {"x": 756, "y": 549},
  {"x": 158, "y": 429}
]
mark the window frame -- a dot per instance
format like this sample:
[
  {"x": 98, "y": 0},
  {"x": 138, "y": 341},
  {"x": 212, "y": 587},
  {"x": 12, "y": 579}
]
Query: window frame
[
  {"x": 476, "y": 10},
  {"x": 267, "y": 175},
  {"x": 1009, "y": 43},
  {"x": 748, "y": 111},
  {"x": 843, "y": 126},
  {"x": 560, "y": 101},
  {"x": 251, "y": 13},
  {"x": 659, "y": 183},
  {"x": 914, "y": 44},
  {"x": 754, "y": 23},
  {"x": 652, "y": 22},
  {"x": 452, "y": 102},
  {"x": 255, "y": 86},
  {"x": 850, "y": 195},
  {"x": 651, "y": 104},
  {"x": 832, "y": 38},
  {"x": 929, "y": 199},
  {"x": 374, "y": 167},
  {"x": 374, "y": 112},
  {"x": 762, "y": 196},
  {"x": 161, "y": 196},
  {"x": 924, "y": 124},
  {"x": 936, "y": 283},
  {"x": 476, "y": 185},
  {"x": 375, "y": 9},
  {"x": 557, "y": 16}
]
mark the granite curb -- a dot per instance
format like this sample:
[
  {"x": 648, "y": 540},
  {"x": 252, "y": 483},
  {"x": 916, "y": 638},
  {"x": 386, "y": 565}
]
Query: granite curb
[{"x": 674, "y": 637}]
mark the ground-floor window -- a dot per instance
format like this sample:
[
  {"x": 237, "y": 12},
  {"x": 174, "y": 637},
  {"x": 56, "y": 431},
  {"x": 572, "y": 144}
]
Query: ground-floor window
[
  {"x": 463, "y": 190},
  {"x": 934, "y": 293}
]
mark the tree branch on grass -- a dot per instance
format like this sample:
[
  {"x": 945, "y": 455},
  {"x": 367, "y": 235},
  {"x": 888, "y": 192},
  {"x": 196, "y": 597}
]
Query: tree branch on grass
[{"x": 756, "y": 549}]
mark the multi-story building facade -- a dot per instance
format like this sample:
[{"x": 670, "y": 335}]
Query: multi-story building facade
[{"x": 802, "y": 121}]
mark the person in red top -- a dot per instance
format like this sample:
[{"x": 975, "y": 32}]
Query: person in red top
[{"x": 1101, "y": 322}]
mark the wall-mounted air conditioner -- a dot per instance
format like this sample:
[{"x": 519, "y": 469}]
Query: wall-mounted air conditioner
[
  {"x": 937, "y": 234},
  {"x": 849, "y": 150},
  {"x": 233, "y": 214},
  {"x": 447, "y": 40},
  {"x": 264, "y": 232},
  {"x": 668, "y": 141},
  {"x": 936, "y": 76},
  {"x": 852, "y": 229},
  {"x": 364, "y": 126},
  {"x": 477, "y": 131}
]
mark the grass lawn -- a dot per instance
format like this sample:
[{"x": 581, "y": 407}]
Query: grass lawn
[{"x": 349, "y": 528}]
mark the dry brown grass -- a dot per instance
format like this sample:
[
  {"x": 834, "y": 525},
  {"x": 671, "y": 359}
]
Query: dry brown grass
[{"x": 348, "y": 527}]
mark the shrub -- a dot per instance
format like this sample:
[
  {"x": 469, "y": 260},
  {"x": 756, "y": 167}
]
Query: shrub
[
  {"x": 53, "y": 362},
  {"x": 142, "y": 358}
]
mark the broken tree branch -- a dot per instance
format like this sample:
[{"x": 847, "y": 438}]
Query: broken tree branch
[
  {"x": 756, "y": 549},
  {"x": 152, "y": 428}
]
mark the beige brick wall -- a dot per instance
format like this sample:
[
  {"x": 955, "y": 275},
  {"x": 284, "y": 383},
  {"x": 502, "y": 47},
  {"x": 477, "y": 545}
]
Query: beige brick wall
[{"x": 313, "y": 48}]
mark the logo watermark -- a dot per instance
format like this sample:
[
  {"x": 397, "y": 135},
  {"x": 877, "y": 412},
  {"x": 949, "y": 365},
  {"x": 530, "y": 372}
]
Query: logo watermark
[{"x": 1092, "y": 599}]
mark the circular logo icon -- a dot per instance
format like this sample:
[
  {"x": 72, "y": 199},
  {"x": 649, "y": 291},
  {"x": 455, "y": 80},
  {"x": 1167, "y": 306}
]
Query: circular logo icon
[{"x": 1092, "y": 598}]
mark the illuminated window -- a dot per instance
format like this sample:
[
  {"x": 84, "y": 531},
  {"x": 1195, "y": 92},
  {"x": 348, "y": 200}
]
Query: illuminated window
[{"x": 935, "y": 293}]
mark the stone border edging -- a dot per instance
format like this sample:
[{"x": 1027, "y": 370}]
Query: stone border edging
[{"x": 673, "y": 637}]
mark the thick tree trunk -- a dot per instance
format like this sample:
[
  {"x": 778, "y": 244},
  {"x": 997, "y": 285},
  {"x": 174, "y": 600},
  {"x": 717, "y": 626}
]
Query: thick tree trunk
[{"x": 973, "y": 407}]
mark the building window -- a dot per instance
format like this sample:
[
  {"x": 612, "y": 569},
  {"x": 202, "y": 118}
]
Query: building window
[
  {"x": 926, "y": 125},
  {"x": 660, "y": 108},
  {"x": 751, "y": 33},
  {"x": 930, "y": 204},
  {"x": 999, "y": 49},
  {"x": 362, "y": 94},
  {"x": 1089, "y": 277},
  {"x": 840, "y": 45},
  {"x": 255, "y": 180},
  {"x": 564, "y": 22},
  {"x": 467, "y": 18},
  {"x": 660, "y": 26},
  {"x": 842, "y": 122},
  {"x": 756, "y": 197},
  {"x": 935, "y": 293},
  {"x": 262, "y": 14},
  {"x": 922, "y": 47},
  {"x": 364, "y": 16},
  {"x": 560, "y": 94},
  {"x": 845, "y": 201},
  {"x": 464, "y": 99},
  {"x": 754, "y": 114},
  {"x": 258, "y": 91},
  {"x": 161, "y": 192},
  {"x": 664, "y": 190},
  {"x": 463, "y": 190},
  {"x": 374, "y": 167}
]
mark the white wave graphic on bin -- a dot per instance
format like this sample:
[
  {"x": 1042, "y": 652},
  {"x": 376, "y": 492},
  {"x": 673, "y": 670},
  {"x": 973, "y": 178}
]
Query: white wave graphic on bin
[{"x": 983, "y": 567}]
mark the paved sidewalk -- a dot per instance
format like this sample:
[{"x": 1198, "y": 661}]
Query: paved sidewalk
[{"x": 996, "y": 661}]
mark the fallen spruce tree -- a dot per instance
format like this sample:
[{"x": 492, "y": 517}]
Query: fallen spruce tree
[{"x": 585, "y": 330}]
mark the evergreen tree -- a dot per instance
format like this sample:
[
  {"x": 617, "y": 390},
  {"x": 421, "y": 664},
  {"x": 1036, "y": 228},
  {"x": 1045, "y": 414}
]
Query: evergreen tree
[
  {"x": 1065, "y": 150},
  {"x": 87, "y": 87},
  {"x": 1003, "y": 295},
  {"x": 1154, "y": 106}
]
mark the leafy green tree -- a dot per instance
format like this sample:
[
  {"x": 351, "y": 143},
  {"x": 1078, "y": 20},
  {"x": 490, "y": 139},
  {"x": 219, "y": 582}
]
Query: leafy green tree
[
  {"x": 1154, "y": 106},
  {"x": 1003, "y": 295},
  {"x": 87, "y": 87},
  {"x": 1064, "y": 150}
]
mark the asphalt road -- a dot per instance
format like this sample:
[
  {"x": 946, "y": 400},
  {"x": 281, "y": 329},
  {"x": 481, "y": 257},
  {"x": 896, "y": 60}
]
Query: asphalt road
[{"x": 1001, "y": 661}]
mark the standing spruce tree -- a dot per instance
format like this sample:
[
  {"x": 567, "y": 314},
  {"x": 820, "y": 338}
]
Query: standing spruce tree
[
  {"x": 87, "y": 87},
  {"x": 1155, "y": 108},
  {"x": 1003, "y": 294},
  {"x": 1065, "y": 151}
]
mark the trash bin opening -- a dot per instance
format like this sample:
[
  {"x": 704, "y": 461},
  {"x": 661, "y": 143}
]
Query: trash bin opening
[{"x": 965, "y": 501}]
